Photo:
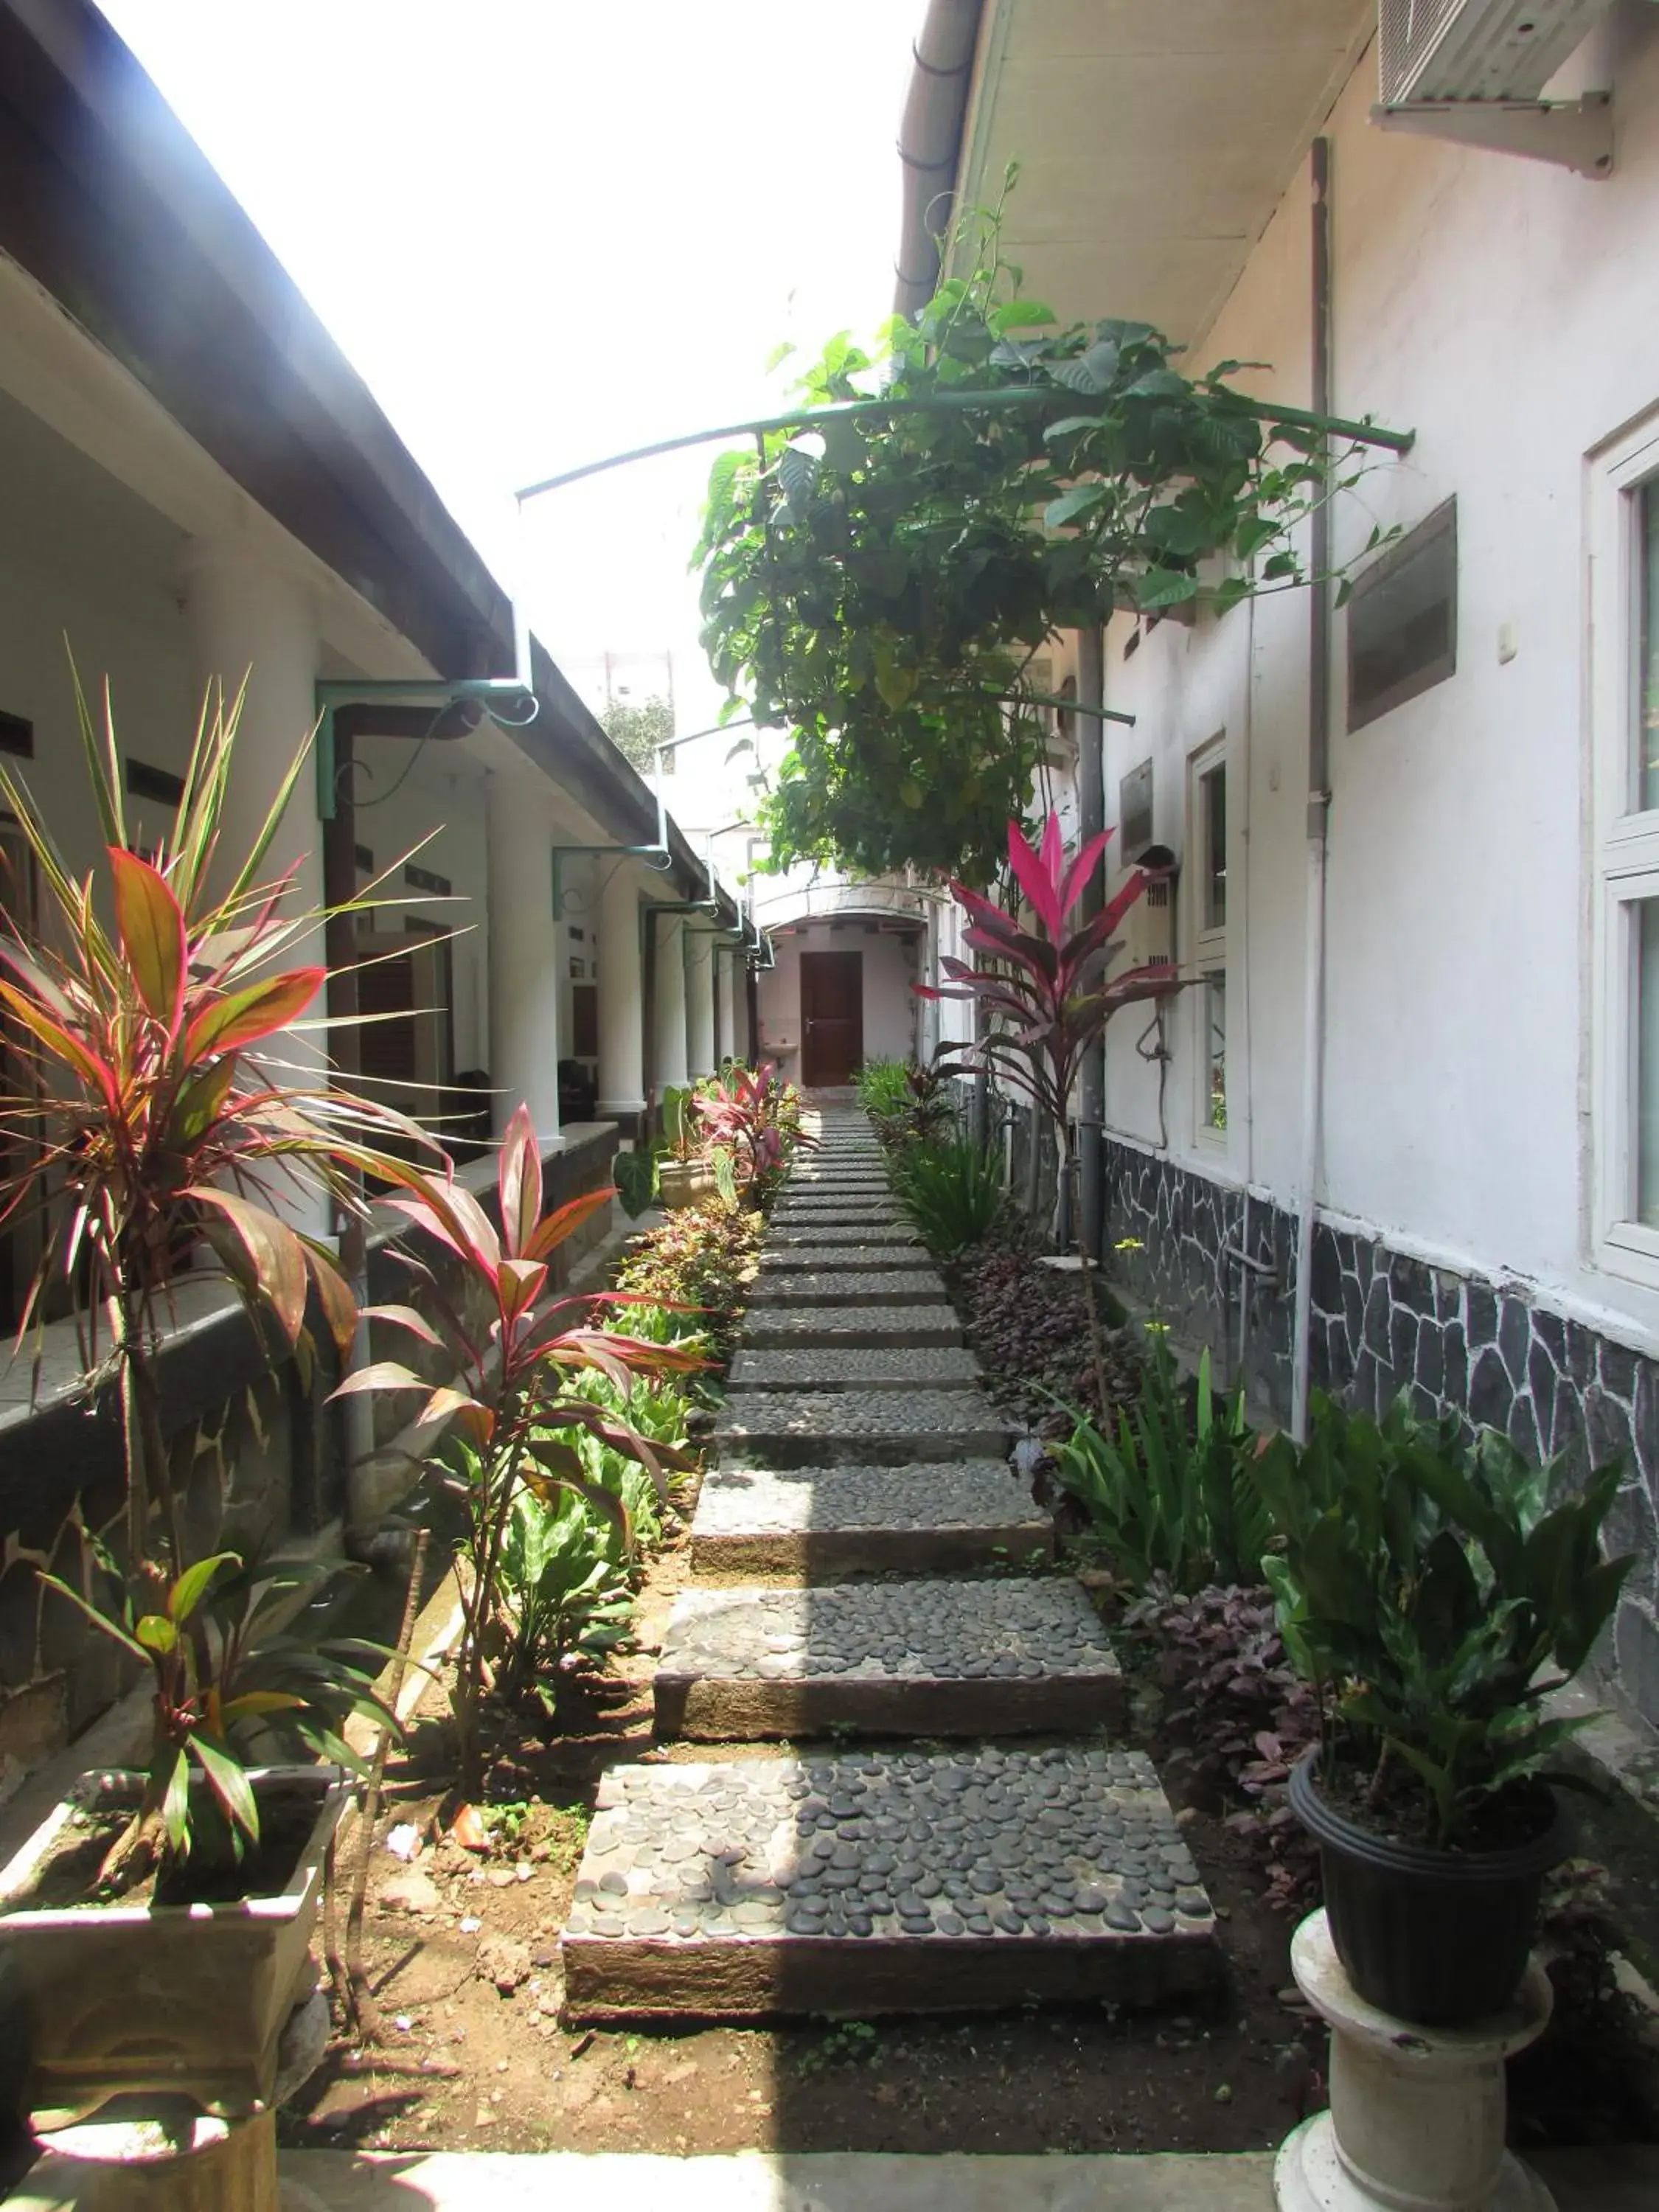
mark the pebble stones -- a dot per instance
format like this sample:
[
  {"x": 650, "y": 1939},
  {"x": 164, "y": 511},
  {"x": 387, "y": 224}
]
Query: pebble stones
[
  {"x": 801, "y": 1428},
  {"x": 1038, "y": 1850},
  {"x": 785, "y": 1328},
  {"x": 1005, "y": 1630},
  {"x": 850, "y": 1367},
  {"x": 935, "y": 1494},
  {"x": 826, "y": 1280}
]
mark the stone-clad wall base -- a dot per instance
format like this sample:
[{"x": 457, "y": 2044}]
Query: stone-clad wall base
[{"x": 1384, "y": 1323}]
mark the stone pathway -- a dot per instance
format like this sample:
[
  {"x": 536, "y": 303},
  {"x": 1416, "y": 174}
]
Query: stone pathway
[{"x": 843, "y": 1550}]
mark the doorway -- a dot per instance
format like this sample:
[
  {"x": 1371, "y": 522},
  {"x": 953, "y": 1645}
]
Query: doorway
[{"x": 831, "y": 1017}]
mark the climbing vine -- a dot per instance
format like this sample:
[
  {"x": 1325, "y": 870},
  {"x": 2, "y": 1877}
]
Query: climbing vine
[{"x": 880, "y": 585}]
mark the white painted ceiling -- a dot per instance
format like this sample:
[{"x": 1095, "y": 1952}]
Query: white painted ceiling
[{"x": 1154, "y": 139}]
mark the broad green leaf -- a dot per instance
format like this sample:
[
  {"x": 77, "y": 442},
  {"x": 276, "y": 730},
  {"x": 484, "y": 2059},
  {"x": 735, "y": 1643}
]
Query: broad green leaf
[
  {"x": 175, "y": 1806},
  {"x": 1071, "y": 506},
  {"x": 188, "y": 1591},
  {"x": 156, "y": 1633},
  {"x": 152, "y": 932},
  {"x": 227, "y": 1777}
]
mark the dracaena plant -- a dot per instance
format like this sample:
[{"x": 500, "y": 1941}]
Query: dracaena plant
[
  {"x": 1050, "y": 993},
  {"x": 231, "y": 1684},
  {"x": 745, "y": 1113},
  {"x": 517, "y": 1376},
  {"x": 143, "y": 1119}
]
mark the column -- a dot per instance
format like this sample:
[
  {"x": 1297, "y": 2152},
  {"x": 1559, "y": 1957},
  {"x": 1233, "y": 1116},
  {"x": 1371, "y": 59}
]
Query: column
[
  {"x": 621, "y": 995},
  {"x": 671, "y": 1040},
  {"x": 524, "y": 967},
  {"x": 699, "y": 1002},
  {"x": 250, "y": 617},
  {"x": 725, "y": 1027}
]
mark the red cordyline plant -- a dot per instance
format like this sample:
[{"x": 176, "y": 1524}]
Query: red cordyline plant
[
  {"x": 1050, "y": 993},
  {"x": 513, "y": 1378},
  {"x": 142, "y": 1124},
  {"x": 747, "y": 1111}
]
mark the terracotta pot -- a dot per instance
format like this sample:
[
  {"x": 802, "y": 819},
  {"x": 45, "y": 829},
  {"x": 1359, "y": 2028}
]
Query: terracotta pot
[
  {"x": 684, "y": 1183},
  {"x": 167, "y": 2000}
]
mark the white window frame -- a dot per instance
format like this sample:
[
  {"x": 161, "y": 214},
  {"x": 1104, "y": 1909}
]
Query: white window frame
[
  {"x": 1624, "y": 850},
  {"x": 1211, "y": 945}
]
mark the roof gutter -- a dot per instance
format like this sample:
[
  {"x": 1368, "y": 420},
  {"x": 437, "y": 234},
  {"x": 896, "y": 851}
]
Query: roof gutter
[{"x": 930, "y": 142}]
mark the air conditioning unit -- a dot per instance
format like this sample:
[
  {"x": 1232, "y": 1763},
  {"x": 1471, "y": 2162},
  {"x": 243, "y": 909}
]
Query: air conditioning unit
[
  {"x": 1473, "y": 71},
  {"x": 1478, "y": 49}
]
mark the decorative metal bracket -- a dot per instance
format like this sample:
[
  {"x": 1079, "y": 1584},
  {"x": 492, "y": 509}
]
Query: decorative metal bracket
[{"x": 1573, "y": 134}]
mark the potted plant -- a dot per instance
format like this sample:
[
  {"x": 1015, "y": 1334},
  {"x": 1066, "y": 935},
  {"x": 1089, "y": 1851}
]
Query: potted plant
[
  {"x": 1425, "y": 1589},
  {"x": 685, "y": 1171},
  {"x": 183, "y": 1982},
  {"x": 144, "y": 1130}
]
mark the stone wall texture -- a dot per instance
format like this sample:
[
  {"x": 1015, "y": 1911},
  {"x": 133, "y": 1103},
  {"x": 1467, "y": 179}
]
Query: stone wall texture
[{"x": 1215, "y": 1264}]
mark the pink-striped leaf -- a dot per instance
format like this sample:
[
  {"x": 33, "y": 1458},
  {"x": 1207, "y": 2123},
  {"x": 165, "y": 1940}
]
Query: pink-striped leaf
[
  {"x": 519, "y": 1178},
  {"x": 151, "y": 926}
]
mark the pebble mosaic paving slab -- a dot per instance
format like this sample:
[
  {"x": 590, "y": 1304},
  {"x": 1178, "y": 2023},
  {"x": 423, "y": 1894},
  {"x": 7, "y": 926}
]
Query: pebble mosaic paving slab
[
  {"x": 827, "y": 1521},
  {"x": 802, "y": 1215},
  {"x": 786, "y": 1328},
  {"x": 897, "y": 1883},
  {"x": 855, "y": 1367},
  {"x": 800, "y": 1235},
  {"x": 790, "y": 1428},
  {"x": 818, "y": 1286},
  {"x": 848, "y": 1249},
  {"x": 934, "y": 1657}
]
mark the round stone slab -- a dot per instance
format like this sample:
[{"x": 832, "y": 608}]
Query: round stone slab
[
  {"x": 783, "y": 1328},
  {"x": 857, "y": 1367},
  {"x": 827, "y": 1521},
  {"x": 1001, "y": 1657},
  {"x": 883, "y": 1428},
  {"x": 897, "y": 1883},
  {"x": 818, "y": 1286}
]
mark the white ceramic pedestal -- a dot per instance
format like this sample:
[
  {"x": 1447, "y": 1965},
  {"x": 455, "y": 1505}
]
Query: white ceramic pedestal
[{"x": 1416, "y": 2121}]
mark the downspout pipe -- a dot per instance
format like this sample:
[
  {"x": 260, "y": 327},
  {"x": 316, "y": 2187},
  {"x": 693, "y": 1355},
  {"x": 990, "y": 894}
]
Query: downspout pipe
[
  {"x": 1319, "y": 800},
  {"x": 930, "y": 144},
  {"x": 1091, "y": 806}
]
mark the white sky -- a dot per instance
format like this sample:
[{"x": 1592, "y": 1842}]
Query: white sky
[{"x": 545, "y": 230}]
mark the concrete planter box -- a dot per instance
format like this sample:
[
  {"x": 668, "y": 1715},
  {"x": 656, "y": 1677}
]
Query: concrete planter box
[
  {"x": 105, "y": 2000},
  {"x": 684, "y": 1183}
]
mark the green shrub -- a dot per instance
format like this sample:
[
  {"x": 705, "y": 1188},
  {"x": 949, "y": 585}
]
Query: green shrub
[
  {"x": 1424, "y": 1589},
  {"x": 562, "y": 1591},
  {"x": 702, "y": 1257},
  {"x": 880, "y": 1085},
  {"x": 1172, "y": 1492},
  {"x": 950, "y": 1191}
]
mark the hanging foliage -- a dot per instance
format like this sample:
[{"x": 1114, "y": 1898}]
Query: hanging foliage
[{"x": 880, "y": 586}]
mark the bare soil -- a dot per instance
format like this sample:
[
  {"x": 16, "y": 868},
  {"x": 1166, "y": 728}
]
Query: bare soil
[{"x": 476, "y": 2055}]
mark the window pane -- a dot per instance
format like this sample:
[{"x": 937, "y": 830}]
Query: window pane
[
  {"x": 1214, "y": 792},
  {"x": 1646, "y": 702},
  {"x": 1215, "y": 1033},
  {"x": 1646, "y": 1056}
]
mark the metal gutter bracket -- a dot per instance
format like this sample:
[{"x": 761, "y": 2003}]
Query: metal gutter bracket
[{"x": 1573, "y": 134}]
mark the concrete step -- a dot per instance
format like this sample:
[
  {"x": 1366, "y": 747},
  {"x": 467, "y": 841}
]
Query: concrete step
[
  {"x": 856, "y": 1367},
  {"x": 801, "y": 1246},
  {"x": 833, "y": 1428},
  {"x": 819, "y": 1522},
  {"x": 819, "y": 1285},
  {"x": 905, "y": 1883},
  {"x": 925, "y": 1658},
  {"x": 787, "y": 1328},
  {"x": 833, "y": 1204}
]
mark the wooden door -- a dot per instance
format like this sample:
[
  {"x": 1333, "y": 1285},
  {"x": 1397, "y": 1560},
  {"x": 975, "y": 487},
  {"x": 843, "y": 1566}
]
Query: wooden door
[{"x": 831, "y": 1017}]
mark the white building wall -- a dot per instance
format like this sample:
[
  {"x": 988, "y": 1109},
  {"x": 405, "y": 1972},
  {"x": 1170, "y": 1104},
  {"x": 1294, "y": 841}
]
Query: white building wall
[{"x": 1503, "y": 309}]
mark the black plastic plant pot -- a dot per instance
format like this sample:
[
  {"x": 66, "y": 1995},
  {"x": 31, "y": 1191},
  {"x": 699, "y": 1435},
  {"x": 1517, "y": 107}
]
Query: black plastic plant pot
[{"x": 1437, "y": 1937}]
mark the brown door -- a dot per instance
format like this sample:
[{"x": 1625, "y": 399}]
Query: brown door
[{"x": 831, "y": 1017}]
